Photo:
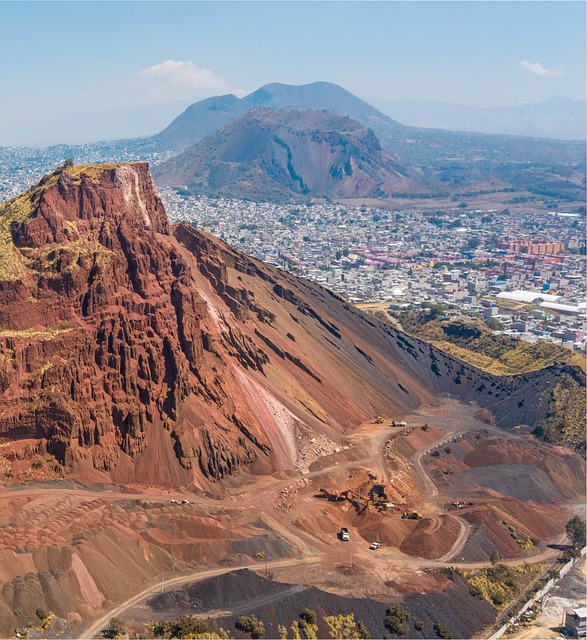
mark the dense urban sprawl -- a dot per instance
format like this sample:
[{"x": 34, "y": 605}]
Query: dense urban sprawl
[
  {"x": 415, "y": 257},
  {"x": 472, "y": 260}
]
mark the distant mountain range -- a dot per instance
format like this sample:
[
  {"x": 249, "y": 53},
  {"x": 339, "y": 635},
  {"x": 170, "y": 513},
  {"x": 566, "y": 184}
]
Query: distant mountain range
[
  {"x": 558, "y": 117},
  {"x": 436, "y": 160},
  {"x": 283, "y": 153},
  {"x": 446, "y": 160}
]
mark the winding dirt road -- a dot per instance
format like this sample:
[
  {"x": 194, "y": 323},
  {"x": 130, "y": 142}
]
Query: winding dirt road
[
  {"x": 367, "y": 448},
  {"x": 196, "y": 576}
]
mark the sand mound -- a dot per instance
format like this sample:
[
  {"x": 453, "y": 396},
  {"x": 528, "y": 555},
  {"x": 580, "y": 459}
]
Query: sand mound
[{"x": 432, "y": 537}]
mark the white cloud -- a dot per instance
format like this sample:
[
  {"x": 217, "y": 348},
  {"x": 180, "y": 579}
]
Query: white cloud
[
  {"x": 174, "y": 79},
  {"x": 539, "y": 69}
]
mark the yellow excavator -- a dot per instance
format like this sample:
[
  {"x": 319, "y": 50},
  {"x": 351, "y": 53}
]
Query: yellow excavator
[{"x": 379, "y": 420}]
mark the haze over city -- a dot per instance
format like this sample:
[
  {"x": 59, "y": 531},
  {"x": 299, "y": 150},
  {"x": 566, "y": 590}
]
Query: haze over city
[
  {"x": 293, "y": 320},
  {"x": 83, "y": 71}
]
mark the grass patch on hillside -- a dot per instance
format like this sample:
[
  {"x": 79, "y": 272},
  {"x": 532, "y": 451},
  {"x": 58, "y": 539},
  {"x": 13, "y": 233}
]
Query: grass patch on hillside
[
  {"x": 567, "y": 414},
  {"x": 473, "y": 342},
  {"x": 66, "y": 257},
  {"x": 93, "y": 171},
  {"x": 500, "y": 584},
  {"x": 523, "y": 357},
  {"x": 46, "y": 334},
  {"x": 21, "y": 208},
  {"x": 14, "y": 212}
]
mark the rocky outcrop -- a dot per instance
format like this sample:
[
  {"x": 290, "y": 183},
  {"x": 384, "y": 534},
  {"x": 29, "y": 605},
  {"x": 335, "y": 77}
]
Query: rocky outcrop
[
  {"x": 136, "y": 352},
  {"x": 271, "y": 153},
  {"x": 133, "y": 349}
]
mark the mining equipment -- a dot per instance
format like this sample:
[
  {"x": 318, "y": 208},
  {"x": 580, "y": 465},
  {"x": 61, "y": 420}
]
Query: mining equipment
[{"x": 413, "y": 515}]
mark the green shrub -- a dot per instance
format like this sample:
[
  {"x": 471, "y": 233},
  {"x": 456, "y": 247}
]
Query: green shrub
[
  {"x": 396, "y": 619},
  {"x": 442, "y": 631},
  {"x": 309, "y": 616},
  {"x": 250, "y": 624}
]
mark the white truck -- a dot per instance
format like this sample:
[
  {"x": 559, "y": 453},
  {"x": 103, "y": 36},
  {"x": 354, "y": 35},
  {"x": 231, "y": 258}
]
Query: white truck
[{"x": 344, "y": 534}]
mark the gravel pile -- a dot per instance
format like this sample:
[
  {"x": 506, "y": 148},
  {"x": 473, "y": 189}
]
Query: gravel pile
[{"x": 244, "y": 592}]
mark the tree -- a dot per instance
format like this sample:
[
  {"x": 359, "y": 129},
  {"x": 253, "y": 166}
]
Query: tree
[
  {"x": 309, "y": 616},
  {"x": 187, "y": 626},
  {"x": 396, "y": 619},
  {"x": 494, "y": 323},
  {"x": 345, "y": 627},
  {"x": 250, "y": 624},
  {"x": 68, "y": 163},
  {"x": 495, "y": 557},
  {"x": 576, "y": 531}
]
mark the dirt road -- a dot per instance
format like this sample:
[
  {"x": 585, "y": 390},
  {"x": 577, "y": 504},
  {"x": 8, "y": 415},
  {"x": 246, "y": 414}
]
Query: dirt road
[
  {"x": 366, "y": 449},
  {"x": 196, "y": 576}
]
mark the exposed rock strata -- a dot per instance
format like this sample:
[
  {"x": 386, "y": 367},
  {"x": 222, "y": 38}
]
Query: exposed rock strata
[
  {"x": 162, "y": 355},
  {"x": 277, "y": 154}
]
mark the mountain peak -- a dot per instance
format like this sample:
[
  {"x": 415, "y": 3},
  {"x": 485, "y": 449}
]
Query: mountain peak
[
  {"x": 210, "y": 115},
  {"x": 268, "y": 153},
  {"x": 73, "y": 200}
]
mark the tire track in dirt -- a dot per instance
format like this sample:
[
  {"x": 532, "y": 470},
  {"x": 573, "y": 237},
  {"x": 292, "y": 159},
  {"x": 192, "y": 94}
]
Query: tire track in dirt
[{"x": 94, "y": 630}]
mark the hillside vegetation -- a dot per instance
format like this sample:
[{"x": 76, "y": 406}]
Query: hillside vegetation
[{"x": 473, "y": 342}]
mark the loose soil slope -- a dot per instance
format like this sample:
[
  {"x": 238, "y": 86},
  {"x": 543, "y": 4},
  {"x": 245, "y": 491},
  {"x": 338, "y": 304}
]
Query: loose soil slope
[
  {"x": 245, "y": 592},
  {"x": 131, "y": 351},
  {"x": 268, "y": 153}
]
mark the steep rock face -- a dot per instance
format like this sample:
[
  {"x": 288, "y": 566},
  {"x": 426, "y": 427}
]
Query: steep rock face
[
  {"x": 283, "y": 153},
  {"x": 135, "y": 352},
  {"x": 157, "y": 356},
  {"x": 92, "y": 353}
]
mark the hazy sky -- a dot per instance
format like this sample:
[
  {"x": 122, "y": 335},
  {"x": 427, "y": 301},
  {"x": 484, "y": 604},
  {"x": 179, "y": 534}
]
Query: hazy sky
[{"x": 79, "y": 71}]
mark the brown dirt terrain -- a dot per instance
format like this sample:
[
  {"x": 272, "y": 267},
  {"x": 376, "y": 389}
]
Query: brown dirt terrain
[
  {"x": 432, "y": 537},
  {"x": 60, "y": 549},
  {"x": 201, "y": 400}
]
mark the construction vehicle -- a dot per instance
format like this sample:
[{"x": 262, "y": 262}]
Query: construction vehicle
[
  {"x": 413, "y": 515},
  {"x": 379, "y": 420},
  {"x": 344, "y": 534}
]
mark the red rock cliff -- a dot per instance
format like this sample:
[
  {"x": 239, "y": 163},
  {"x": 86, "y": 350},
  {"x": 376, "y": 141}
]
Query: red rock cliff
[{"x": 164, "y": 356}]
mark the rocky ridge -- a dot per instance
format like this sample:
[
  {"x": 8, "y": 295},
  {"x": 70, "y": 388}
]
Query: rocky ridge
[
  {"x": 134, "y": 352},
  {"x": 137, "y": 352},
  {"x": 268, "y": 152}
]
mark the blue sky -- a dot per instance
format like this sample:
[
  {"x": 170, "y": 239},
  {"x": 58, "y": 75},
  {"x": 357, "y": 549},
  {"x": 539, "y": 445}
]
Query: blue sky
[{"x": 76, "y": 71}]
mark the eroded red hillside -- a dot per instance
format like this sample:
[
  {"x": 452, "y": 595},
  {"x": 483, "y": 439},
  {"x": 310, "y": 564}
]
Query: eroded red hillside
[{"x": 135, "y": 352}]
